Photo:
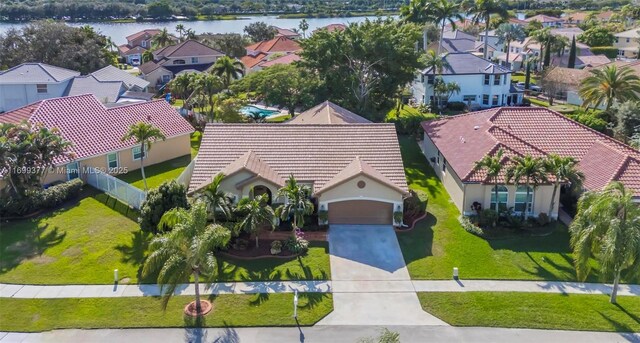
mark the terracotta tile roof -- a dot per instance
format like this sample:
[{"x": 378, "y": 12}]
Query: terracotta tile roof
[
  {"x": 253, "y": 60},
  {"x": 286, "y": 32},
  {"x": 354, "y": 169},
  {"x": 328, "y": 113},
  {"x": 312, "y": 153},
  {"x": 187, "y": 48},
  {"x": 465, "y": 139},
  {"x": 94, "y": 129},
  {"x": 334, "y": 27},
  {"x": 150, "y": 32},
  {"x": 278, "y": 44},
  {"x": 286, "y": 59}
]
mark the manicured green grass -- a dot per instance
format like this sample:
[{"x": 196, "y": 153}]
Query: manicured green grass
[
  {"x": 228, "y": 310},
  {"x": 196, "y": 139},
  {"x": 80, "y": 243},
  {"x": 538, "y": 102},
  {"x": 520, "y": 77},
  {"x": 439, "y": 243},
  {"x": 535, "y": 310},
  {"x": 158, "y": 173},
  {"x": 278, "y": 119},
  {"x": 312, "y": 266}
]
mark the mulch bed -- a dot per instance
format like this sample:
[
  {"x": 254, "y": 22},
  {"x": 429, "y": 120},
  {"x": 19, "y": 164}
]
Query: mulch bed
[
  {"x": 264, "y": 250},
  {"x": 205, "y": 307}
]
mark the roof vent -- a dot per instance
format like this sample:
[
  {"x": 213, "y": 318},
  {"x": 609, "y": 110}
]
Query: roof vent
[
  {"x": 477, "y": 127},
  {"x": 462, "y": 140}
]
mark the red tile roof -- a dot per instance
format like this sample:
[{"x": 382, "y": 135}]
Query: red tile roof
[
  {"x": 253, "y": 60},
  {"x": 334, "y": 27},
  {"x": 286, "y": 32},
  {"x": 278, "y": 44},
  {"x": 94, "y": 129},
  {"x": 151, "y": 32},
  {"x": 286, "y": 59},
  {"x": 465, "y": 139}
]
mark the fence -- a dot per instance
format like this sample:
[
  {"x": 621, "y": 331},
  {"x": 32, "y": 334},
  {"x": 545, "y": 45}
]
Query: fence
[
  {"x": 116, "y": 188},
  {"x": 185, "y": 176}
]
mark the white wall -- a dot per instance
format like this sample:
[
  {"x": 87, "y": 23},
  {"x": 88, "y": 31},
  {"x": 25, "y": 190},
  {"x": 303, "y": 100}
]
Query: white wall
[
  {"x": 471, "y": 84},
  {"x": 13, "y": 96}
]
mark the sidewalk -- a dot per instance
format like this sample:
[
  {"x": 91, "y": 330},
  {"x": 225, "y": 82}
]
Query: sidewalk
[{"x": 336, "y": 287}]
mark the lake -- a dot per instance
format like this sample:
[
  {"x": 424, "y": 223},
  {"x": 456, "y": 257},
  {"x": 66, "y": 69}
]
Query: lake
[{"x": 118, "y": 31}]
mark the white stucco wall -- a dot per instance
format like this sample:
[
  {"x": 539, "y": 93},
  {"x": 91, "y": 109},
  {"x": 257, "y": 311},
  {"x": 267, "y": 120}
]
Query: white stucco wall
[
  {"x": 13, "y": 96},
  {"x": 373, "y": 190}
]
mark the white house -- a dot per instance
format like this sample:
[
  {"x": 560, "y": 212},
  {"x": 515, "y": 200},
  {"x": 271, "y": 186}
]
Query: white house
[
  {"x": 30, "y": 82},
  {"x": 547, "y": 21},
  {"x": 628, "y": 43},
  {"x": 482, "y": 83}
]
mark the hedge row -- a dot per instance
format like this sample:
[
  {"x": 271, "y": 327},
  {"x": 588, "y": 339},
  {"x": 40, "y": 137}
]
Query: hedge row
[{"x": 41, "y": 199}]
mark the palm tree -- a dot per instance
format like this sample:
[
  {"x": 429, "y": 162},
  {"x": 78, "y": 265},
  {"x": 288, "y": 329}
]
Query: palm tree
[
  {"x": 542, "y": 37},
  {"x": 215, "y": 198},
  {"x": 147, "y": 56},
  {"x": 8, "y": 158},
  {"x": 493, "y": 166},
  {"x": 607, "y": 226},
  {"x": 190, "y": 34},
  {"x": 162, "y": 39},
  {"x": 228, "y": 69},
  {"x": 609, "y": 84},
  {"x": 208, "y": 86},
  {"x": 444, "y": 11},
  {"x": 303, "y": 26},
  {"x": 508, "y": 33},
  {"x": 180, "y": 29},
  {"x": 182, "y": 86},
  {"x": 433, "y": 61},
  {"x": 481, "y": 11},
  {"x": 144, "y": 134},
  {"x": 187, "y": 250},
  {"x": 256, "y": 213},
  {"x": 529, "y": 59},
  {"x": 415, "y": 12},
  {"x": 297, "y": 202},
  {"x": 529, "y": 171},
  {"x": 564, "y": 170}
]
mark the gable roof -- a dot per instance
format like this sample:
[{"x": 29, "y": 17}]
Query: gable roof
[
  {"x": 36, "y": 73},
  {"x": 252, "y": 163},
  {"x": 457, "y": 34},
  {"x": 149, "y": 67},
  {"x": 286, "y": 32},
  {"x": 187, "y": 48},
  {"x": 278, "y": 44},
  {"x": 354, "y": 169},
  {"x": 312, "y": 153},
  {"x": 150, "y": 32},
  {"x": 467, "y": 63},
  {"x": 328, "y": 113},
  {"x": 253, "y": 59},
  {"x": 633, "y": 33},
  {"x": 104, "y": 91},
  {"x": 111, "y": 73},
  {"x": 536, "y": 131},
  {"x": 94, "y": 129},
  {"x": 543, "y": 18},
  {"x": 333, "y": 27},
  {"x": 286, "y": 59}
]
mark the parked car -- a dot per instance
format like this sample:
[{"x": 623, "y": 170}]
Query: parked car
[{"x": 532, "y": 86}]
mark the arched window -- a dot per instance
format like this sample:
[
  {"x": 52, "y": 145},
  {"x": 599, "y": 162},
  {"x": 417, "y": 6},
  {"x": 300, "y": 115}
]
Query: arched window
[
  {"x": 503, "y": 196},
  {"x": 521, "y": 198}
]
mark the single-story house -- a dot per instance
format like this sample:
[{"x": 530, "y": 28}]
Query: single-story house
[
  {"x": 453, "y": 145},
  {"x": 353, "y": 167},
  {"x": 332, "y": 27},
  {"x": 95, "y": 132},
  {"x": 482, "y": 82}
]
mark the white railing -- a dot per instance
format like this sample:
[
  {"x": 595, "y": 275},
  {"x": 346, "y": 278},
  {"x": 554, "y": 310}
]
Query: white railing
[{"x": 115, "y": 187}]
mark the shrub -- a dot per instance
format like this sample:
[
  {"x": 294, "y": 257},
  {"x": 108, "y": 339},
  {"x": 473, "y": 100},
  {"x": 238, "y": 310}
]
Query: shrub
[
  {"x": 526, "y": 102},
  {"x": 415, "y": 205},
  {"x": 456, "y": 106},
  {"x": 397, "y": 217},
  {"x": 470, "y": 227},
  {"x": 168, "y": 195},
  {"x": 240, "y": 244},
  {"x": 590, "y": 119},
  {"x": 276, "y": 247},
  {"x": 488, "y": 217},
  {"x": 39, "y": 199},
  {"x": 409, "y": 123},
  {"x": 296, "y": 243},
  {"x": 543, "y": 219},
  {"x": 609, "y": 51},
  {"x": 323, "y": 216}
]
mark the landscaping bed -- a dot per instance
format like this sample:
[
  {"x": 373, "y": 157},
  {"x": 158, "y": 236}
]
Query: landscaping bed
[
  {"x": 263, "y": 250},
  {"x": 534, "y": 310},
  {"x": 232, "y": 310}
]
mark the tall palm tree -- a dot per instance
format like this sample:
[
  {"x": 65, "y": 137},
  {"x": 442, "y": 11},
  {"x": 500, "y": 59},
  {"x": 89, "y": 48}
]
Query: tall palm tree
[
  {"x": 228, "y": 69},
  {"x": 609, "y": 84},
  {"x": 564, "y": 169},
  {"x": 528, "y": 171},
  {"x": 180, "y": 29},
  {"x": 444, "y": 11},
  {"x": 187, "y": 250},
  {"x": 303, "y": 26},
  {"x": 508, "y": 33},
  {"x": 493, "y": 166},
  {"x": 607, "y": 226},
  {"x": 147, "y": 56},
  {"x": 542, "y": 37},
  {"x": 434, "y": 61},
  {"x": 8, "y": 159},
  {"x": 297, "y": 202},
  {"x": 182, "y": 86},
  {"x": 144, "y": 134},
  {"x": 416, "y": 12},
  {"x": 162, "y": 39},
  {"x": 215, "y": 198},
  {"x": 256, "y": 213},
  {"x": 481, "y": 11},
  {"x": 208, "y": 86}
]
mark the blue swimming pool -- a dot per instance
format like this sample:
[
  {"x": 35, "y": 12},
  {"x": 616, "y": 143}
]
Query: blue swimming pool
[{"x": 251, "y": 110}]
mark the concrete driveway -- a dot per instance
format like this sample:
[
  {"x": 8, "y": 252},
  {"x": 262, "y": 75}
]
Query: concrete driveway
[{"x": 370, "y": 281}]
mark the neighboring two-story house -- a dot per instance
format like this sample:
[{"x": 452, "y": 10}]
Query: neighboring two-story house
[
  {"x": 628, "y": 43},
  {"x": 482, "y": 83},
  {"x": 137, "y": 44},
  {"x": 265, "y": 51},
  {"x": 30, "y": 82},
  {"x": 188, "y": 56}
]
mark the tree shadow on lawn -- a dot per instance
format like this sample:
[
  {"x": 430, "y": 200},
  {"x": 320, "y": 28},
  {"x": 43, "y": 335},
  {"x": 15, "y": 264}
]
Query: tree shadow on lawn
[
  {"x": 555, "y": 242},
  {"x": 135, "y": 253},
  {"x": 18, "y": 244},
  {"x": 625, "y": 330},
  {"x": 116, "y": 205},
  {"x": 417, "y": 244}
]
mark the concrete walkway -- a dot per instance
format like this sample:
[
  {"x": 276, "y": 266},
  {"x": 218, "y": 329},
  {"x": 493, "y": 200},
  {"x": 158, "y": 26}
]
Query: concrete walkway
[{"x": 319, "y": 334}]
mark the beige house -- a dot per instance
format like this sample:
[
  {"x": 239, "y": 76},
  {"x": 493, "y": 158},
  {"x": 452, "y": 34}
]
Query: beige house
[
  {"x": 95, "y": 131},
  {"x": 453, "y": 145},
  {"x": 352, "y": 166},
  {"x": 628, "y": 43}
]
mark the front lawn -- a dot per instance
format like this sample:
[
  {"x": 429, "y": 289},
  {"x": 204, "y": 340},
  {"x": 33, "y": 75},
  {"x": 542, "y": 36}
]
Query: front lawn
[
  {"x": 439, "y": 243},
  {"x": 535, "y": 310},
  {"x": 79, "y": 243},
  {"x": 235, "y": 310}
]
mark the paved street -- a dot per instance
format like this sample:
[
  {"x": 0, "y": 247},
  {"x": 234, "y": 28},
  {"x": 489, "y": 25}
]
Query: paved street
[{"x": 319, "y": 334}]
